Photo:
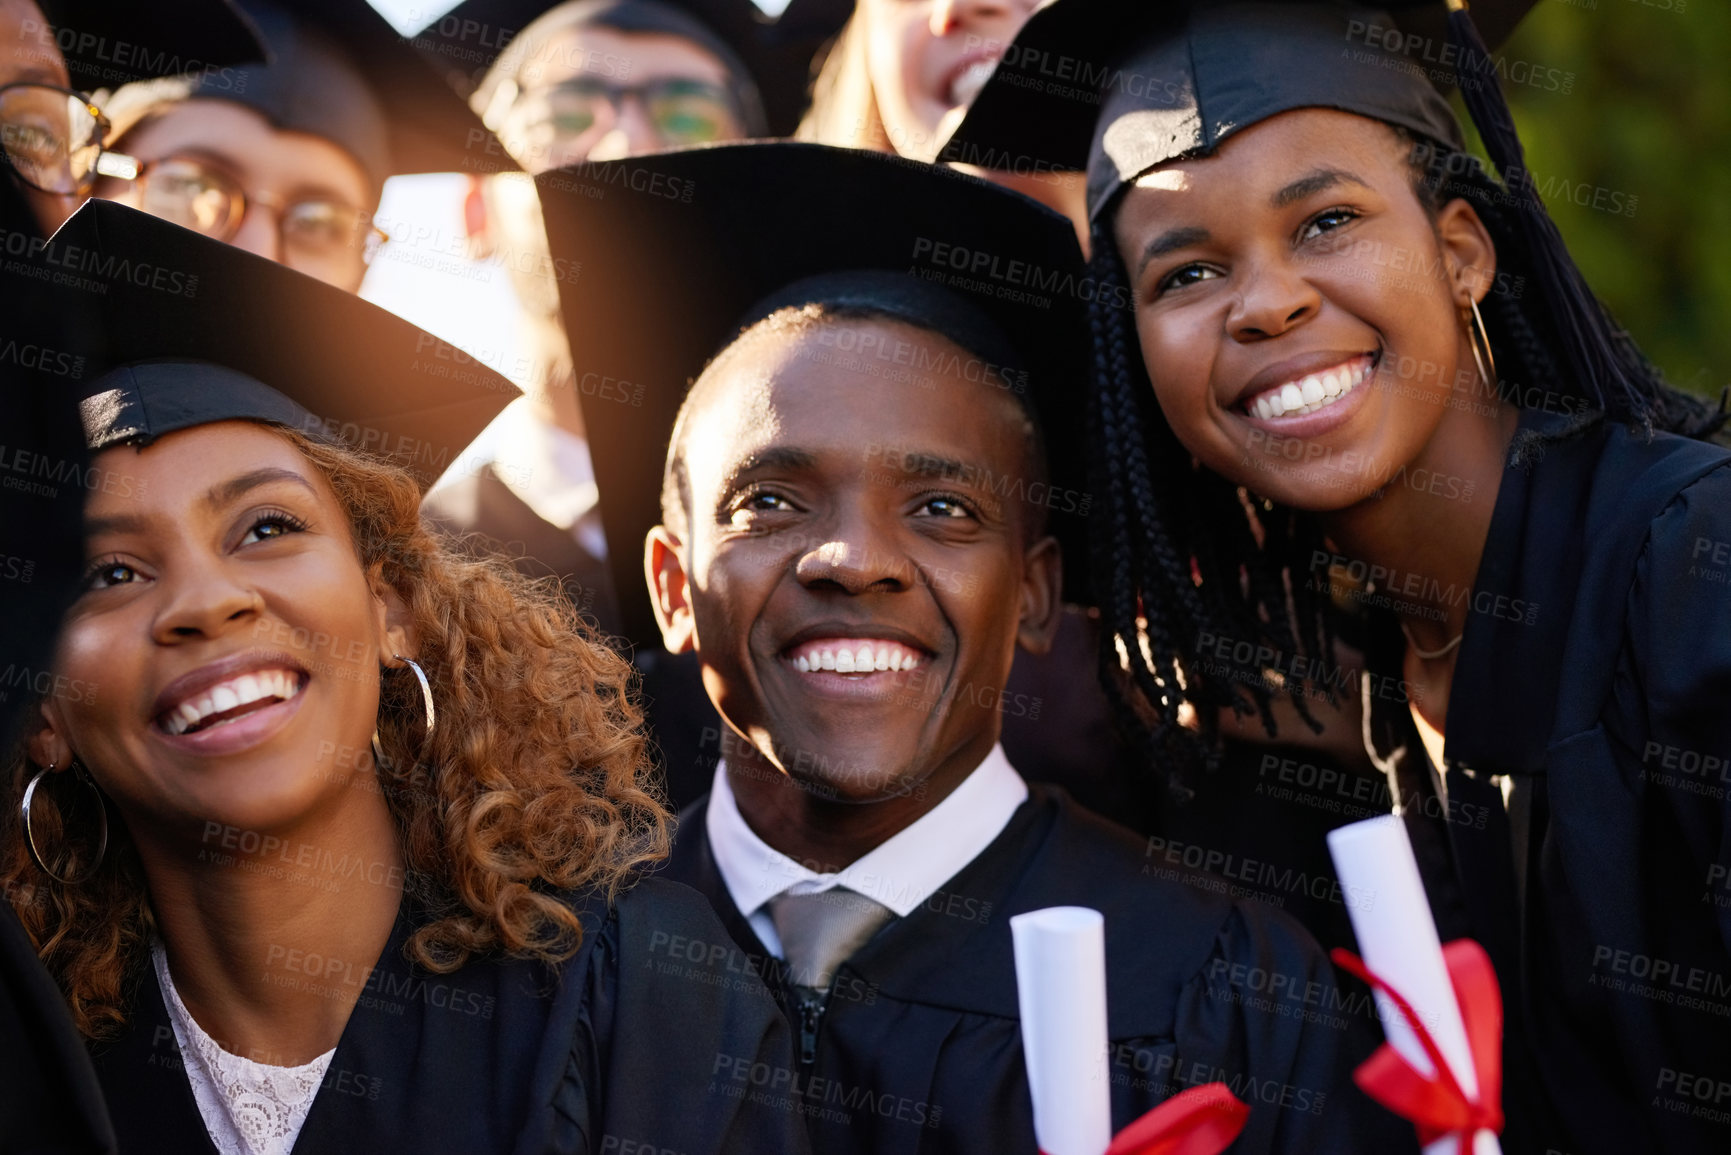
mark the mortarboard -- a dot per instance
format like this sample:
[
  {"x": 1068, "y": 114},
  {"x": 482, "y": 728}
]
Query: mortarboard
[
  {"x": 776, "y": 53},
  {"x": 338, "y": 70},
  {"x": 673, "y": 254},
  {"x": 108, "y": 43},
  {"x": 191, "y": 330},
  {"x": 1115, "y": 87}
]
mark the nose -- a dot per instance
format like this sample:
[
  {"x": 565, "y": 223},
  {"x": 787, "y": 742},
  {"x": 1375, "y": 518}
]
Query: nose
[
  {"x": 258, "y": 233},
  {"x": 949, "y": 15},
  {"x": 855, "y": 558},
  {"x": 204, "y": 601},
  {"x": 1274, "y": 299},
  {"x": 632, "y": 134}
]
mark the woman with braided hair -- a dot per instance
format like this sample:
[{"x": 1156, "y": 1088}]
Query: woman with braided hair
[{"x": 1361, "y": 387}]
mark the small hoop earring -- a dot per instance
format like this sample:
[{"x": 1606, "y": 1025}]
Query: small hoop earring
[
  {"x": 1479, "y": 337},
  {"x": 30, "y": 835}
]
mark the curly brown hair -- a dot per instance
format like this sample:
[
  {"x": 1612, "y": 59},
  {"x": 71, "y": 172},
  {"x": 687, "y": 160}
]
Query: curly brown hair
[{"x": 535, "y": 781}]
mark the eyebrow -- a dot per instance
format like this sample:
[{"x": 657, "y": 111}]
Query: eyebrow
[
  {"x": 224, "y": 492},
  {"x": 1307, "y": 185},
  {"x": 1312, "y": 183},
  {"x": 1169, "y": 241},
  {"x": 35, "y": 75},
  {"x": 214, "y": 498},
  {"x": 917, "y": 464},
  {"x": 776, "y": 457}
]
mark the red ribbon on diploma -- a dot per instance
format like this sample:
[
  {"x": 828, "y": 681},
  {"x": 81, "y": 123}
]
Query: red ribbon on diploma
[
  {"x": 1436, "y": 1105},
  {"x": 1203, "y": 1120}
]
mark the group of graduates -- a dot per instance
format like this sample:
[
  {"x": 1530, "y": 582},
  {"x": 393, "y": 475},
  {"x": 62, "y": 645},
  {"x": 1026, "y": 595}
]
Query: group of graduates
[{"x": 1110, "y": 446}]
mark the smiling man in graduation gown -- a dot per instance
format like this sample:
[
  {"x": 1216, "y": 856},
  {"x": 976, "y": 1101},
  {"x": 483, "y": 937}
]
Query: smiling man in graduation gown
[{"x": 856, "y": 528}]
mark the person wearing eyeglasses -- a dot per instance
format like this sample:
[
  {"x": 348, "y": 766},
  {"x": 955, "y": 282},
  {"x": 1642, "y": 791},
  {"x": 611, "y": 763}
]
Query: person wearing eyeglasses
[
  {"x": 50, "y": 133},
  {"x": 603, "y": 79},
  {"x": 583, "y": 82},
  {"x": 289, "y": 160}
]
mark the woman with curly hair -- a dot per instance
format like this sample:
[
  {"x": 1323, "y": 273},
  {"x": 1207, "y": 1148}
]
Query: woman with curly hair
[{"x": 329, "y": 834}]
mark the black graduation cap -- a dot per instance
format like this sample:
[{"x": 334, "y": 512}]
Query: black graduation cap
[
  {"x": 339, "y": 70},
  {"x": 671, "y": 255},
  {"x": 1115, "y": 87},
  {"x": 108, "y": 43},
  {"x": 190, "y": 330},
  {"x": 776, "y": 52}
]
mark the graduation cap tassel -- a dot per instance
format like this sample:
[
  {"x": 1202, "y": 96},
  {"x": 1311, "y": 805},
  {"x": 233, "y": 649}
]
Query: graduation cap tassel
[{"x": 1599, "y": 352}]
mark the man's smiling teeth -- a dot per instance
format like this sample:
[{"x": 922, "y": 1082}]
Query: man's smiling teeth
[
  {"x": 1308, "y": 394},
  {"x": 244, "y": 690},
  {"x": 853, "y": 656},
  {"x": 969, "y": 81}
]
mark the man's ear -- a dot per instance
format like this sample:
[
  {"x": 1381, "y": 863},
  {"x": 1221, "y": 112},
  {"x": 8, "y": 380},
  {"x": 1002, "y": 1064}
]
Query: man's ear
[
  {"x": 1042, "y": 596},
  {"x": 396, "y": 625},
  {"x": 1472, "y": 255},
  {"x": 670, "y": 589}
]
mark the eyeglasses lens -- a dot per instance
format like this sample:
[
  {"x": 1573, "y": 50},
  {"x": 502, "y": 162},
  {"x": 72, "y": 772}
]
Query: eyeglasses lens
[
  {"x": 691, "y": 112},
  {"x": 194, "y": 196},
  {"x": 49, "y": 137}
]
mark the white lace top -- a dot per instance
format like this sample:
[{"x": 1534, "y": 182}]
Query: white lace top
[{"x": 249, "y": 1108}]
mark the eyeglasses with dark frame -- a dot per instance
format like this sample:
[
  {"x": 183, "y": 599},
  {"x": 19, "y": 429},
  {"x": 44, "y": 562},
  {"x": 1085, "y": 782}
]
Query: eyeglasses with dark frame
[{"x": 685, "y": 111}]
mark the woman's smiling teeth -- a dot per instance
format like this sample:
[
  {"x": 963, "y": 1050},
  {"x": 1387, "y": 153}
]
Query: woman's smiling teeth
[
  {"x": 230, "y": 700},
  {"x": 1308, "y": 394},
  {"x": 853, "y": 656}
]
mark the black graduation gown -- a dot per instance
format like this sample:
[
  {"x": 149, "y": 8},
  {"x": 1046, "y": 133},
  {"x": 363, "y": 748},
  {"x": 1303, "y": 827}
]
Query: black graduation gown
[
  {"x": 1595, "y": 674},
  {"x": 920, "y": 1046},
  {"x": 49, "y": 1099},
  {"x": 615, "y": 1053}
]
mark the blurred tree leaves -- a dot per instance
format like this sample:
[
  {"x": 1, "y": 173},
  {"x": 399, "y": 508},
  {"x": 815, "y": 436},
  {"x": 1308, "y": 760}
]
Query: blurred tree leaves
[{"x": 1634, "y": 163}]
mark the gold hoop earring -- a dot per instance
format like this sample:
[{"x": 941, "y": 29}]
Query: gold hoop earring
[
  {"x": 1479, "y": 337},
  {"x": 30, "y": 834}
]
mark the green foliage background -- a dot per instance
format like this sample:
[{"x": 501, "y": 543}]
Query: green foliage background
[{"x": 1649, "y": 118}]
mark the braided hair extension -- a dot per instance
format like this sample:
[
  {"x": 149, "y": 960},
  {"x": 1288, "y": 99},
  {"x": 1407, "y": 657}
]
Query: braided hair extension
[
  {"x": 1208, "y": 594},
  {"x": 1169, "y": 572}
]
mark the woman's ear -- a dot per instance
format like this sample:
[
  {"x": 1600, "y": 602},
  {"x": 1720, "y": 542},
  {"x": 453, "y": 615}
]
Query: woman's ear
[
  {"x": 396, "y": 624},
  {"x": 670, "y": 589},
  {"x": 48, "y": 745},
  {"x": 1472, "y": 255}
]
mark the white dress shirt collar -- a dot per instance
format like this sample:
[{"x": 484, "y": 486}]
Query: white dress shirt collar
[{"x": 901, "y": 873}]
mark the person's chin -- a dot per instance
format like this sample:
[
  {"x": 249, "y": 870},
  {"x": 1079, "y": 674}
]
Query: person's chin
[{"x": 849, "y": 764}]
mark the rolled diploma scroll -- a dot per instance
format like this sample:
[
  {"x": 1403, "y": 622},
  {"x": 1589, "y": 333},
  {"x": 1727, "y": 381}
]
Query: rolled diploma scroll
[
  {"x": 1397, "y": 939},
  {"x": 1061, "y": 992}
]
